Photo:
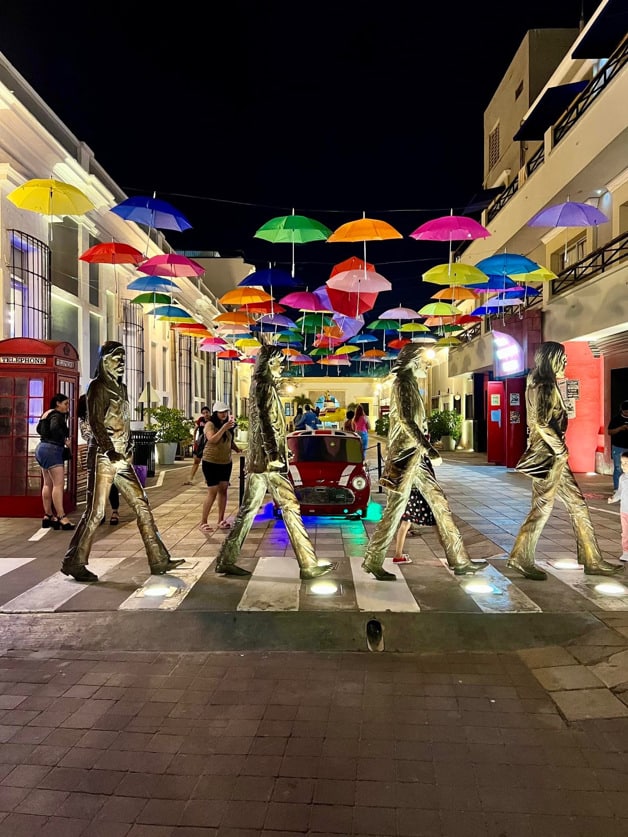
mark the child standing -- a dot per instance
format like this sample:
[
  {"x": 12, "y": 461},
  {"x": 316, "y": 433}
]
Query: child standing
[{"x": 621, "y": 496}]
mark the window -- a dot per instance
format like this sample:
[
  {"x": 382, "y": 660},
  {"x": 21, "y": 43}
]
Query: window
[
  {"x": 571, "y": 253},
  {"x": 184, "y": 355},
  {"x": 94, "y": 277},
  {"x": 133, "y": 342},
  {"x": 64, "y": 255},
  {"x": 519, "y": 90},
  {"x": 29, "y": 295},
  {"x": 493, "y": 147},
  {"x": 94, "y": 342},
  {"x": 65, "y": 321}
]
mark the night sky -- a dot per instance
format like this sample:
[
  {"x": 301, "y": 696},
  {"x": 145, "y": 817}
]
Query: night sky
[{"x": 239, "y": 112}]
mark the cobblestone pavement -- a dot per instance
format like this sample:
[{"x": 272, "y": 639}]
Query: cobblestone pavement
[{"x": 497, "y": 713}]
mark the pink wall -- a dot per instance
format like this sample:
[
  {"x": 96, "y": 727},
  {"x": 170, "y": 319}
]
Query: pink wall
[{"x": 582, "y": 433}]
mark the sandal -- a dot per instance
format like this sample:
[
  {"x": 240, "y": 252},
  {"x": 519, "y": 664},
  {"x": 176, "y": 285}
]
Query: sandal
[
  {"x": 205, "y": 527},
  {"x": 115, "y": 519},
  {"x": 224, "y": 524}
]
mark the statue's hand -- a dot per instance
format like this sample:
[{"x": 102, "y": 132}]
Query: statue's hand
[{"x": 276, "y": 465}]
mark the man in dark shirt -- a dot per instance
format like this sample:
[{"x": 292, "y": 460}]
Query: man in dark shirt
[{"x": 618, "y": 431}]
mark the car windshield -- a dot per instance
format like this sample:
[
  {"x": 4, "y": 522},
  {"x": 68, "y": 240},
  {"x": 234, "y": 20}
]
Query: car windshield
[{"x": 326, "y": 449}]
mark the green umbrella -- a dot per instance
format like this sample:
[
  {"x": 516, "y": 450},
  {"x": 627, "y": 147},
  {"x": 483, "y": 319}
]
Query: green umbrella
[
  {"x": 152, "y": 299},
  {"x": 292, "y": 229},
  {"x": 314, "y": 321}
]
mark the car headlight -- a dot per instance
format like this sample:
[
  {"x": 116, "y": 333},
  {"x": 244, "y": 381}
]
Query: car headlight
[{"x": 359, "y": 483}]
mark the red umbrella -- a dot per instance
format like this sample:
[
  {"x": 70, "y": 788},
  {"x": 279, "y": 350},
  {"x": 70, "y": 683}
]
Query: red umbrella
[
  {"x": 112, "y": 252},
  {"x": 352, "y": 263},
  {"x": 351, "y": 304}
]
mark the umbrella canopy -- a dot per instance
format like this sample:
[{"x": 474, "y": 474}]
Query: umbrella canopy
[
  {"x": 292, "y": 229},
  {"x": 352, "y": 263},
  {"x": 152, "y": 212},
  {"x": 228, "y": 354},
  {"x": 171, "y": 265},
  {"x": 346, "y": 350},
  {"x": 374, "y": 353},
  {"x": 384, "y": 325},
  {"x": 112, "y": 252},
  {"x": 234, "y": 318},
  {"x": 322, "y": 293},
  {"x": 363, "y": 338},
  {"x": 439, "y": 309},
  {"x": 304, "y": 301},
  {"x": 268, "y": 307},
  {"x": 450, "y": 228},
  {"x": 300, "y": 359},
  {"x": 242, "y": 296},
  {"x": 151, "y": 299},
  {"x": 171, "y": 312},
  {"x": 365, "y": 229},
  {"x": 399, "y": 343},
  {"x": 457, "y": 293},
  {"x": 313, "y": 321},
  {"x": 352, "y": 304},
  {"x": 507, "y": 263},
  {"x": 540, "y": 275},
  {"x": 449, "y": 341},
  {"x": 349, "y": 326},
  {"x": 156, "y": 284},
  {"x": 50, "y": 197},
  {"x": 276, "y": 320},
  {"x": 494, "y": 282},
  {"x": 399, "y": 313},
  {"x": 414, "y": 327},
  {"x": 270, "y": 277},
  {"x": 454, "y": 274},
  {"x": 568, "y": 214},
  {"x": 357, "y": 281}
]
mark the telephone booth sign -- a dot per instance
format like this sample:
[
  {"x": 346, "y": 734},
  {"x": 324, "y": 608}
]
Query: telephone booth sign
[{"x": 31, "y": 373}]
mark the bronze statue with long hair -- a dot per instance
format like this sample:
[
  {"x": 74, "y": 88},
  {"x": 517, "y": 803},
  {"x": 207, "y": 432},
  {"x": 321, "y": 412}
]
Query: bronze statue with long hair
[
  {"x": 405, "y": 466},
  {"x": 267, "y": 470},
  {"x": 545, "y": 460}
]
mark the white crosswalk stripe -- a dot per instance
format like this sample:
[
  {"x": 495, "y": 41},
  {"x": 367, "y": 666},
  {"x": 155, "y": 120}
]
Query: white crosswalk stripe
[{"x": 378, "y": 596}]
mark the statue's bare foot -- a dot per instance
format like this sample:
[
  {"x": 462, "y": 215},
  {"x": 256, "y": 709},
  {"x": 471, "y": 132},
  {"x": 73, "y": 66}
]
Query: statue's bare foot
[
  {"x": 379, "y": 573},
  {"x": 231, "y": 569},
  {"x": 603, "y": 568},
  {"x": 528, "y": 572},
  {"x": 171, "y": 563},
  {"x": 315, "y": 572}
]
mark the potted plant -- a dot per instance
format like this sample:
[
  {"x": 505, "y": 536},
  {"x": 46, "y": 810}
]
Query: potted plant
[
  {"x": 172, "y": 428},
  {"x": 242, "y": 424},
  {"x": 445, "y": 426}
]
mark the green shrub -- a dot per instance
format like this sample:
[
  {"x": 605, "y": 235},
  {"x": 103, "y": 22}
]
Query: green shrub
[
  {"x": 444, "y": 423},
  {"x": 382, "y": 426},
  {"x": 171, "y": 424}
]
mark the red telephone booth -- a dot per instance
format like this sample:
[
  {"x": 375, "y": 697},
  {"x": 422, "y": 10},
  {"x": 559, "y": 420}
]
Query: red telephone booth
[{"x": 31, "y": 372}]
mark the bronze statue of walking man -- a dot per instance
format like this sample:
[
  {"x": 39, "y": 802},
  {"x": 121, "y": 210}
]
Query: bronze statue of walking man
[
  {"x": 267, "y": 470},
  {"x": 109, "y": 462},
  {"x": 545, "y": 460},
  {"x": 405, "y": 467}
]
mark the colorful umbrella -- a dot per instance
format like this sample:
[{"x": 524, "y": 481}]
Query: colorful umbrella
[
  {"x": 439, "y": 309},
  {"x": 322, "y": 293},
  {"x": 50, "y": 197},
  {"x": 275, "y": 320},
  {"x": 152, "y": 213},
  {"x": 399, "y": 313},
  {"x": 449, "y": 341},
  {"x": 568, "y": 214},
  {"x": 352, "y": 304},
  {"x": 454, "y": 274},
  {"x": 268, "y": 278},
  {"x": 171, "y": 312},
  {"x": 450, "y": 228},
  {"x": 156, "y": 284},
  {"x": 506, "y": 263},
  {"x": 171, "y": 264},
  {"x": 457, "y": 293},
  {"x": 151, "y": 299},
  {"x": 349, "y": 326},
  {"x": 242, "y": 296},
  {"x": 414, "y": 327},
  {"x": 292, "y": 229},
  {"x": 346, "y": 350},
  {"x": 112, "y": 252},
  {"x": 365, "y": 229},
  {"x": 352, "y": 263},
  {"x": 235, "y": 318},
  {"x": 304, "y": 301},
  {"x": 229, "y": 354}
]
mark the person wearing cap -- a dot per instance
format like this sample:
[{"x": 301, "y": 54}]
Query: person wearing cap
[
  {"x": 617, "y": 429},
  {"x": 216, "y": 463},
  {"x": 199, "y": 443},
  {"x": 109, "y": 462}
]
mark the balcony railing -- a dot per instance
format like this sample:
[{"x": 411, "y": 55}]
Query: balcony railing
[{"x": 595, "y": 88}]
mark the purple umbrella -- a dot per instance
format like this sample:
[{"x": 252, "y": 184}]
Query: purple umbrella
[{"x": 569, "y": 214}]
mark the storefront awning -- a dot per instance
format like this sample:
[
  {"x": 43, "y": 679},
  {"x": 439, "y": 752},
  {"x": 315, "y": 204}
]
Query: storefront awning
[{"x": 548, "y": 108}]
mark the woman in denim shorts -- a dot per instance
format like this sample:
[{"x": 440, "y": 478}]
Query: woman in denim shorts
[{"x": 54, "y": 435}]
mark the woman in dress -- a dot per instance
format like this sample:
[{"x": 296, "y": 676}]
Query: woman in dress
[
  {"x": 418, "y": 512},
  {"x": 49, "y": 454}
]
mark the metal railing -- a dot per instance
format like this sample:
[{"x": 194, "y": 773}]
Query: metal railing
[{"x": 582, "y": 103}]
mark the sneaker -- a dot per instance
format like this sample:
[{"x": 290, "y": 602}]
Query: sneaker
[
  {"x": 624, "y": 557},
  {"x": 404, "y": 558}
]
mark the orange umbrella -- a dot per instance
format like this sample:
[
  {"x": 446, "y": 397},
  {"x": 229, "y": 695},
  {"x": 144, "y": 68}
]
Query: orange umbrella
[
  {"x": 455, "y": 294},
  {"x": 234, "y": 317},
  {"x": 244, "y": 296},
  {"x": 365, "y": 229}
]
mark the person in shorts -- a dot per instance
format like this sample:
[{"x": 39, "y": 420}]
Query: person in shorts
[
  {"x": 199, "y": 443},
  {"x": 216, "y": 463}
]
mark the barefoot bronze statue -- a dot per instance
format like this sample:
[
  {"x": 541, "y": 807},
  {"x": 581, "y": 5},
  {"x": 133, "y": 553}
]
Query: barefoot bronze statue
[
  {"x": 545, "y": 460},
  {"x": 267, "y": 470},
  {"x": 109, "y": 462},
  {"x": 405, "y": 467}
]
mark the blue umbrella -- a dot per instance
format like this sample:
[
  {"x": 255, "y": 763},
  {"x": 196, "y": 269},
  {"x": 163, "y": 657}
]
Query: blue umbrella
[
  {"x": 152, "y": 212},
  {"x": 154, "y": 284},
  {"x": 507, "y": 263},
  {"x": 363, "y": 338},
  {"x": 270, "y": 277},
  {"x": 495, "y": 283}
]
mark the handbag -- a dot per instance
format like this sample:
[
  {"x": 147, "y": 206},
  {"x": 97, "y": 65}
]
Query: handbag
[{"x": 67, "y": 453}]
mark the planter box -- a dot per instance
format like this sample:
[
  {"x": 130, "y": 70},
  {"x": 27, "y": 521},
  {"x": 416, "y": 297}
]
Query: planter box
[{"x": 166, "y": 452}]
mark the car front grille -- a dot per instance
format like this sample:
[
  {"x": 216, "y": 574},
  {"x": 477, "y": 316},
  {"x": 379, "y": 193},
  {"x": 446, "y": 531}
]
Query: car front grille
[{"x": 325, "y": 496}]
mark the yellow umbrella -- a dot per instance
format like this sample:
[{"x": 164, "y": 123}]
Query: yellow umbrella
[
  {"x": 50, "y": 197},
  {"x": 540, "y": 275},
  {"x": 455, "y": 274},
  {"x": 448, "y": 341},
  {"x": 414, "y": 327},
  {"x": 346, "y": 350},
  {"x": 439, "y": 309}
]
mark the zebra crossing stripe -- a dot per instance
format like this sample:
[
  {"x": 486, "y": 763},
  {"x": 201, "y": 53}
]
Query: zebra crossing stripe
[
  {"x": 275, "y": 585},
  {"x": 373, "y": 595},
  {"x": 166, "y": 592}
]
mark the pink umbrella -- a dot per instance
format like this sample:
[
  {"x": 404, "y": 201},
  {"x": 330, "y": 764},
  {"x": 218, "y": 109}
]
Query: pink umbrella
[
  {"x": 171, "y": 264},
  {"x": 450, "y": 228},
  {"x": 357, "y": 281},
  {"x": 304, "y": 301}
]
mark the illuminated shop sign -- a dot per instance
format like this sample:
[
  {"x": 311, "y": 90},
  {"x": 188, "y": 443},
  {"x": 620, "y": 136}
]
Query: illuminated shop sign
[{"x": 508, "y": 355}]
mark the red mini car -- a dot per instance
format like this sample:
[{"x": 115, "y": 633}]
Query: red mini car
[{"x": 328, "y": 473}]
